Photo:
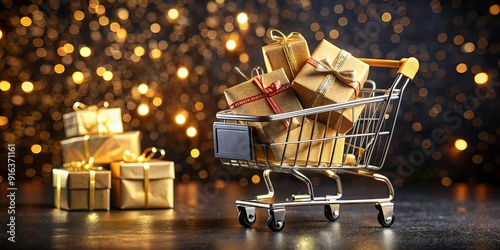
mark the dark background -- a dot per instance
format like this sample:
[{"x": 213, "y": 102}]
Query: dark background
[{"x": 454, "y": 41}]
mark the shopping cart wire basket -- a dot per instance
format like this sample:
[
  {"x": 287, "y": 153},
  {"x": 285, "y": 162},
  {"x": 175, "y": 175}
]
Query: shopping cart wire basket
[{"x": 361, "y": 152}]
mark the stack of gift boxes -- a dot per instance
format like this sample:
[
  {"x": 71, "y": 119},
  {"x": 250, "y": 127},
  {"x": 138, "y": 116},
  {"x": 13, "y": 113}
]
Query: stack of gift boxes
[
  {"x": 104, "y": 165},
  {"x": 295, "y": 80}
]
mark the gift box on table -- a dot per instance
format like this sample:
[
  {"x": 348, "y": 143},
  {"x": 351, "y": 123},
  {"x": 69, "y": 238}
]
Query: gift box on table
[
  {"x": 81, "y": 189},
  {"x": 289, "y": 52},
  {"x": 312, "y": 144},
  {"x": 91, "y": 120},
  {"x": 142, "y": 185},
  {"x": 331, "y": 75},
  {"x": 104, "y": 149},
  {"x": 264, "y": 95}
]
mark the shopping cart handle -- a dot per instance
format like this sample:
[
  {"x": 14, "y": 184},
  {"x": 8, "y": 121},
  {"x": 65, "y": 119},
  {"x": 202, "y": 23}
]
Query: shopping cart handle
[{"x": 407, "y": 66}]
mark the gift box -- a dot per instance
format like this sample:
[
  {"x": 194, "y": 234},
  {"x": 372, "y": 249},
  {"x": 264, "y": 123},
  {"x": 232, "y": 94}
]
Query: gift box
[
  {"x": 289, "y": 52},
  {"x": 81, "y": 189},
  {"x": 331, "y": 75},
  {"x": 305, "y": 144},
  {"x": 92, "y": 120},
  {"x": 142, "y": 185},
  {"x": 104, "y": 149},
  {"x": 264, "y": 95}
]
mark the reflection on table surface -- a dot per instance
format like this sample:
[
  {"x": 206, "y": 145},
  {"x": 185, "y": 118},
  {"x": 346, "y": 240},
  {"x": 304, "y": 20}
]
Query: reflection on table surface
[{"x": 460, "y": 216}]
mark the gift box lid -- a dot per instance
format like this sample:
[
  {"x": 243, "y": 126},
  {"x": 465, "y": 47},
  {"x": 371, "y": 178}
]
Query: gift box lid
[
  {"x": 158, "y": 169},
  {"x": 80, "y": 179}
]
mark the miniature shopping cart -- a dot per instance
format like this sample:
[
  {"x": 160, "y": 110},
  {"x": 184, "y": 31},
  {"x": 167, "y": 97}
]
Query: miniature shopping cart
[{"x": 363, "y": 149}]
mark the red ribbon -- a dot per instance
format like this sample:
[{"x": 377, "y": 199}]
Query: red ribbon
[{"x": 267, "y": 92}]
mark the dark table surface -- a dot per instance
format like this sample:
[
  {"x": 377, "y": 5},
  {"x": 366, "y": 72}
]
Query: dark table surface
[{"x": 205, "y": 217}]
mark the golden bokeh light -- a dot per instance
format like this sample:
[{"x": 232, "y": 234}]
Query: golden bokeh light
[
  {"x": 143, "y": 109},
  {"x": 3, "y": 120},
  {"x": 460, "y": 144},
  {"x": 173, "y": 14},
  {"x": 386, "y": 17},
  {"x": 155, "y": 27},
  {"x": 481, "y": 78},
  {"x": 107, "y": 75},
  {"x": 195, "y": 153},
  {"x": 27, "y": 86},
  {"x": 1, "y": 34},
  {"x": 139, "y": 51},
  {"x": 36, "y": 148},
  {"x": 143, "y": 88},
  {"x": 100, "y": 71},
  {"x": 231, "y": 44},
  {"x": 446, "y": 181},
  {"x": 78, "y": 77},
  {"x": 191, "y": 132},
  {"x": 242, "y": 18},
  {"x": 155, "y": 53},
  {"x": 182, "y": 72},
  {"x": 4, "y": 85},
  {"x": 494, "y": 9},
  {"x": 59, "y": 68},
  {"x": 85, "y": 51},
  {"x": 26, "y": 21},
  {"x": 461, "y": 68},
  {"x": 255, "y": 179},
  {"x": 180, "y": 119},
  {"x": 78, "y": 15}
]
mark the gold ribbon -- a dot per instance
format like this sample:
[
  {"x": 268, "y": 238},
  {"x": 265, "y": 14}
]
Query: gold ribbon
[
  {"x": 77, "y": 166},
  {"x": 285, "y": 40},
  {"x": 145, "y": 157},
  {"x": 334, "y": 72},
  {"x": 100, "y": 121}
]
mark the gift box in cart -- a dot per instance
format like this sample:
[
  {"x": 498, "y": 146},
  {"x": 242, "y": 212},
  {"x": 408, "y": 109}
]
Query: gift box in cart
[{"x": 365, "y": 148}]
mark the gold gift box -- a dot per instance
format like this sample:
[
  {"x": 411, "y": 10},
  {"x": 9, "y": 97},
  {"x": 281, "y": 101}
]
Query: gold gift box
[
  {"x": 103, "y": 148},
  {"x": 137, "y": 185},
  {"x": 92, "y": 122},
  {"x": 245, "y": 93},
  {"x": 73, "y": 190},
  {"x": 306, "y": 147},
  {"x": 313, "y": 88},
  {"x": 288, "y": 52}
]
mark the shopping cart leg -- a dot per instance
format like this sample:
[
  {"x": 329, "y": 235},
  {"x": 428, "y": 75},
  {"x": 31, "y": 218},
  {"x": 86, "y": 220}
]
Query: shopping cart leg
[
  {"x": 276, "y": 220},
  {"x": 269, "y": 184},
  {"x": 386, "y": 213},
  {"x": 246, "y": 215},
  {"x": 303, "y": 197}
]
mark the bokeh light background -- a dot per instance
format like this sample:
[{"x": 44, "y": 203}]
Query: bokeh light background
[{"x": 167, "y": 63}]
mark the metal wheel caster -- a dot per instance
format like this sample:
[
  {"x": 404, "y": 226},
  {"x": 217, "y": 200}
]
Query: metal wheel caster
[
  {"x": 385, "y": 215},
  {"x": 246, "y": 216},
  {"x": 276, "y": 220},
  {"x": 332, "y": 212}
]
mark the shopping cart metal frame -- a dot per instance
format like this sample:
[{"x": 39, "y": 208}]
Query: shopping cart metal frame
[{"x": 235, "y": 144}]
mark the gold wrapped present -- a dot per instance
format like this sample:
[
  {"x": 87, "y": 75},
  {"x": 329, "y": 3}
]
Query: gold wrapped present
[
  {"x": 264, "y": 95},
  {"x": 81, "y": 190},
  {"x": 103, "y": 148},
  {"x": 312, "y": 144},
  {"x": 331, "y": 75},
  {"x": 143, "y": 185},
  {"x": 91, "y": 120},
  {"x": 289, "y": 52}
]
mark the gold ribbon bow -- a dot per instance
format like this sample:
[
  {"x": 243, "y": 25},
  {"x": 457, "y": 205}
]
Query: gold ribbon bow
[
  {"x": 78, "y": 166},
  {"x": 334, "y": 71},
  {"x": 285, "y": 40},
  {"x": 100, "y": 121},
  {"x": 145, "y": 157}
]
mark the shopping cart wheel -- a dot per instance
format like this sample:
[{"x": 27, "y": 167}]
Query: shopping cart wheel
[
  {"x": 276, "y": 220},
  {"x": 332, "y": 212},
  {"x": 385, "y": 215},
  {"x": 385, "y": 221},
  {"x": 246, "y": 216}
]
